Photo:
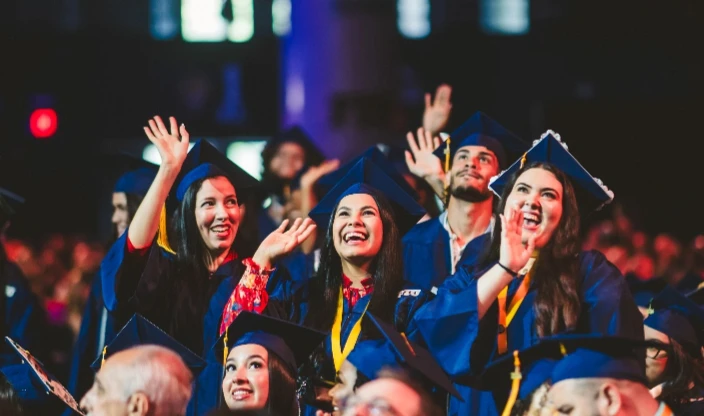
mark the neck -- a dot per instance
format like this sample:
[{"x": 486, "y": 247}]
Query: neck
[
  {"x": 641, "y": 402},
  {"x": 216, "y": 259},
  {"x": 469, "y": 220},
  {"x": 356, "y": 272}
]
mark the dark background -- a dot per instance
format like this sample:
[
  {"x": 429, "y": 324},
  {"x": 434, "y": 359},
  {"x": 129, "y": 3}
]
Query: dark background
[{"x": 622, "y": 82}]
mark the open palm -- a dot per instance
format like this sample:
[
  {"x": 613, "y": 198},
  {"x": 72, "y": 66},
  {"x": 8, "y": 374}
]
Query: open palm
[
  {"x": 172, "y": 145},
  {"x": 280, "y": 242}
]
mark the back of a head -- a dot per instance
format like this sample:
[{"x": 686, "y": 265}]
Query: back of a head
[{"x": 162, "y": 375}]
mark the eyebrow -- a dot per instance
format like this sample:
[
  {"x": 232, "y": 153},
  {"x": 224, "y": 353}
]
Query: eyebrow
[
  {"x": 361, "y": 209},
  {"x": 248, "y": 358}
]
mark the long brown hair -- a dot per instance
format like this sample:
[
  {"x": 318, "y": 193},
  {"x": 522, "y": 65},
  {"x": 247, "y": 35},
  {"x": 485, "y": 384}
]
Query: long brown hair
[{"x": 557, "y": 303}]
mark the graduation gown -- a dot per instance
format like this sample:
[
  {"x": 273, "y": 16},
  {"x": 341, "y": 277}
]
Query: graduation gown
[
  {"x": 427, "y": 258},
  {"x": 97, "y": 330},
  {"x": 463, "y": 344},
  {"x": 23, "y": 317}
]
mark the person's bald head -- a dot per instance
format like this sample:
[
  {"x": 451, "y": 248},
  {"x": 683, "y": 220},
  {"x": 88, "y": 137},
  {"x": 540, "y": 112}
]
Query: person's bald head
[
  {"x": 146, "y": 379},
  {"x": 600, "y": 397}
]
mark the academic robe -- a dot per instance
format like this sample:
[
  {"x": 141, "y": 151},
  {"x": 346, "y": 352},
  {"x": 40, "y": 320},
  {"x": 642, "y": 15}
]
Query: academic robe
[
  {"x": 463, "y": 344},
  {"x": 427, "y": 257},
  {"x": 23, "y": 317},
  {"x": 97, "y": 330},
  {"x": 695, "y": 406}
]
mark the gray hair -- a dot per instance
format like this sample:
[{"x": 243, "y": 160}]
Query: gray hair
[{"x": 162, "y": 376}]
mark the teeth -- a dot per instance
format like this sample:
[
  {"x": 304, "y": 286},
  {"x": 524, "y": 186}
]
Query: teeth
[
  {"x": 220, "y": 228},
  {"x": 353, "y": 234},
  {"x": 531, "y": 217}
]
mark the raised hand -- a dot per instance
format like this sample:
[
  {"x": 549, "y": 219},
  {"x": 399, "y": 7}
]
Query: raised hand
[
  {"x": 171, "y": 147},
  {"x": 513, "y": 254},
  {"x": 437, "y": 113},
  {"x": 314, "y": 173},
  {"x": 420, "y": 160},
  {"x": 280, "y": 242}
]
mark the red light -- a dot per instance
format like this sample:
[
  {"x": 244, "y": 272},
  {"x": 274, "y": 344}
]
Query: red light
[{"x": 43, "y": 123}]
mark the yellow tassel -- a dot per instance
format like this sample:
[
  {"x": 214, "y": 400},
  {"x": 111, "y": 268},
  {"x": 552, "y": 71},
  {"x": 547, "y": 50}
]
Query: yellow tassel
[
  {"x": 226, "y": 349},
  {"x": 515, "y": 385},
  {"x": 524, "y": 158},
  {"x": 563, "y": 350},
  {"x": 105, "y": 351},
  {"x": 408, "y": 344},
  {"x": 650, "y": 310},
  {"x": 162, "y": 238},
  {"x": 447, "y": 154}
]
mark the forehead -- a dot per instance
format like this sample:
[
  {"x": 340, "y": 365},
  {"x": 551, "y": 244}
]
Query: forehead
[
  {"x": 357, "y": 201},
  {"x": 215, "y": 186},
  {"x": 290, "y": 147},
  {"x": 119, "y": 197},
  {"x": 393, "y": 391},
  {"x": 244, "y": 351},
  {"x": 473, "y": 150},
  {"x": 651, "y": 333},
  {"x": 540, "y": 178}
]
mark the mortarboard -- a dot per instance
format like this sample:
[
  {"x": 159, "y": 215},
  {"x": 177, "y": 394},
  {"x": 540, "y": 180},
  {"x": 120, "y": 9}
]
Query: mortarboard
[
  {"x": 139, "y": 331},
  {"x": 10, "y": 204},
  {"x": 291, "y": 342},
  {"x": 360, "y": 178},
  {"x": 376, "y": 156},
  {"x": 395, "y": 155},
  {"x": 39, "y": 392},
  {"x": 135, "y": 173},
  {"x": 203, "y": 160},
  {"x": 590, "y": 356},
  {"x": 679, "y": 318},
  {"x": 481, "y": 130},
  {"x": 644, "y": 291},
  {"x": 697, "y": 295},
  {"x": 395, "y": 350},
  {"x": 296, "y": 134},
  {"x": 590, "y": 192}
]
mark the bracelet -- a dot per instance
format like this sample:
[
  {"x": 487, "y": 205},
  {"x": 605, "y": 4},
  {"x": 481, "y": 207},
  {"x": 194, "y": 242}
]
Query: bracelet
[{"x": 509, "y": 271}]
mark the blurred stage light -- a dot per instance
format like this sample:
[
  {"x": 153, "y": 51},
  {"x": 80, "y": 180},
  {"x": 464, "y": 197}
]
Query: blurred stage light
[
  {"x": 151, "y": 154},
  {"x": 505, "y": 17},
  {"x": 203, "y": 20},
  {"x": 43, "y": 123},
  {"x": 241, "y": 29},
  {"x": 281, "y": 17},
  {"x": 248, "y": 156},
  {"x": 413, "y": 18}
]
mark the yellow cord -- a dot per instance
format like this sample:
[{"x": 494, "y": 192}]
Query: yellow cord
[
  {"x": 515, "y": 385},
  {"x": 225, "y": 350},
  {"x": 162, "y": 238}
]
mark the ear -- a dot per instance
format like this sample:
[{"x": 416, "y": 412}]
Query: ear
[
  {"x": 609, "y": 401},
  {"x": 138, "y": 404}
]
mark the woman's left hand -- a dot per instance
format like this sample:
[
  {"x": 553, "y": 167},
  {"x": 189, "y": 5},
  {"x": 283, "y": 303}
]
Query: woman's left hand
[{"x": 280, "y": 242}]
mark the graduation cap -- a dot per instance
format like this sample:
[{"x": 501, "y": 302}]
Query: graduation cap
[
  {"x": 590, "y": 191},
  {"x": 679, "y": 318},
  {"x": 139, "y": 331},
  {"x": 292, "y": 343},
  {"x": 395, "y": 350},
  {"x": 697, "y": 295},
  {"x": 202, "y": 161},
  {"x": 361, "y": 178},
  {"x": 376, "y": 156},
  {"x": 10, "y": 204},
  {"x": 296, "y": 134},
  {"x": 481, "y": 130},
  {"x": 590, "y": 356},
  {"x": 39, "y": 392},
  {"x": 644, "y": 291},
  {"x": 396, "y": 156}
]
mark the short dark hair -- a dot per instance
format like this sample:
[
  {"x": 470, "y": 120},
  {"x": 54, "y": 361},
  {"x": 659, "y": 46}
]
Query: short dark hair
[{"x": 427, "y": 406}]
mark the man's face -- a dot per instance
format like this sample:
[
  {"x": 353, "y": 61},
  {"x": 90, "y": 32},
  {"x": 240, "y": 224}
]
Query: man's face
[
  {"x": 107, "y": 395},
  {"x": 571, "y": 397},
  {"x": 472, "y": 168}
]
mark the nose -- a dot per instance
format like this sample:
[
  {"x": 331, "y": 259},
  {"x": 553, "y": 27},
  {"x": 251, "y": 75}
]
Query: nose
[
  {"x": 354, "y": 219},
  {"x": 220, "y": 212},
  {"x": 532, "y": 200},
  {"x": 115, "y": 217},
  {"x": 84, "y": 403}
]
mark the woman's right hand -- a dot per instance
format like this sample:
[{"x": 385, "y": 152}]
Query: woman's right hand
[
  {"x": 514, "y": 254},
  {"x": 171, "y": 148}
]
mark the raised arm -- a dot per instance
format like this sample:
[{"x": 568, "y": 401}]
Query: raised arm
[{"x": 173, "y": 147}]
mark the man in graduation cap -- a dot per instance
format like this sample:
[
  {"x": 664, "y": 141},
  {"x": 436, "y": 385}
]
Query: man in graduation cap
[
  {"x": 21, "y": 315},
  {"x": 143, "y": 371},
  {"x": 603, "y": 377},
  {"x": 472, "y": 155},
  {"x": 674, "y": 368}
]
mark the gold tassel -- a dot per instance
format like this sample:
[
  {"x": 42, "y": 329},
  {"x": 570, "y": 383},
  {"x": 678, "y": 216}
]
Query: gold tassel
[
  {"x": 563, "y": 350},
  {"x": 162, "y": 238},
  {"x": 515, "y": 385},
  {"x": 105, "y": 351},
  {"x": 408, "y": 343},
  {"x": 524, "y": 158},
  {"x": 225, "y": 350},
  {"x": 650, "y": 310},
  {"x": 446, "y": 196}
]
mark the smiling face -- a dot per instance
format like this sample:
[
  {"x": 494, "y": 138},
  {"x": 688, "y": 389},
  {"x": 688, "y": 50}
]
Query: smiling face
[
  {"x": 288, "y": 160},
  {"x": 539, "y": 195},
  {"x": 246, "y": 382},
  {"x": 656, "y": 359},
  {"x": 472, "y": 168},
  {"x": 357, "y": 229},
  {"x": 217, "y": 213},
  {"x": 120, "y": 214}
]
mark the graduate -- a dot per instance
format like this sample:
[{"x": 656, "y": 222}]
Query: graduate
[
  {"x": 603, "y": 377},
  {"x": 364, "y": 215},
  {"x": 176, "y": 264},
  {"x": 22, "y": 316},
  {"x": 474, "y": 152},
  {"x": 675, "y": 368},
  {"x": 533, "y": 281},
  {"x": 97, "y": 325}
]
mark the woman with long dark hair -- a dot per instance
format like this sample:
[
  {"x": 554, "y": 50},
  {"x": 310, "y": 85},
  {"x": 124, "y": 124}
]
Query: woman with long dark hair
[
  {"x": 532, "y": 280},
  {"x": 179, "y": 277},
  {"x": 360, "y": 269},
  {"x": 675, "y": 367}
]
